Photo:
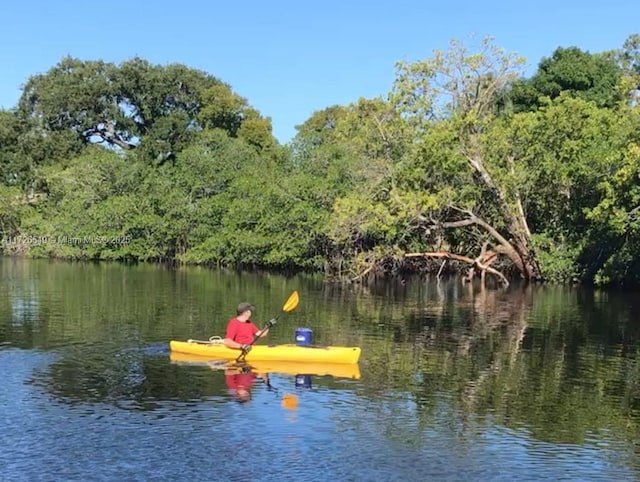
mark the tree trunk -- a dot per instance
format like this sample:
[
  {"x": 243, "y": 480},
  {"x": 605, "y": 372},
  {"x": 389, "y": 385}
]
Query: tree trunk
[
  {"x": 504, "y": 246},
  {"x": 519, "y": 245}
]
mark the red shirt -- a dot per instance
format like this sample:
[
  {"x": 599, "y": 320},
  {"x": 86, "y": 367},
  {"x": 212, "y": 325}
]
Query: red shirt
[
  {"x": 240, "y": 380},
  {"x": 241, "y": 331}
]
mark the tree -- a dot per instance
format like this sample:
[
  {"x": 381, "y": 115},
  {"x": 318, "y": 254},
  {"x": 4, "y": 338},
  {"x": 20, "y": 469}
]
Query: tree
[
  {"x": 347, "y": 152},
  {"x": 628, "y": 59},
  {"x": 611, "y": 253},
  {"x": 224, "y": 109},
  {"x": 77, "y": 96},
  {"x": 451, "y": 100},
  {"x": 563, "y": 151},
  {"x": 592, "y": 77},
  {"x": 114, "y": 105},
  {"x": 13, "y": 168}
]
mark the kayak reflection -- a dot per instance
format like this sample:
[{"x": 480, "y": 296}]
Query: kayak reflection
[
  {"x": 240, "y": 378},
  {"x": 336, "y": 370}
]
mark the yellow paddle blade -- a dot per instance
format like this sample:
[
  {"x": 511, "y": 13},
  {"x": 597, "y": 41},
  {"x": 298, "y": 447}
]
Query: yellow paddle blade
[
  {"x": 291, "y": 302},
  {"x": 290, "y": 401}
]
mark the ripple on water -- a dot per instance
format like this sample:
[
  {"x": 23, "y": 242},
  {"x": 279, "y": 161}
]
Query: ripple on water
[
  {"x": 442, "y": 397},
  {"x": 336, "y": 431}
]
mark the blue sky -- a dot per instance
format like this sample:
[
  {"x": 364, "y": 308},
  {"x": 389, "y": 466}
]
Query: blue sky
[{"x": 291, "y": 58}]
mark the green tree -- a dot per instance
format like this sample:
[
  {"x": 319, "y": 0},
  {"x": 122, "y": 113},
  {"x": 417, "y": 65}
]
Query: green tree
[
  {"x": 13, "y": 168},
  {"x": 224, "y": 109},
  {"x": 121, "y": 106},
  {"x": 612, "y": 242},
  {"x": 451, "y": 100},
  {"x": 348, "y": 152},
  {"x": 628, "y": 59},
  {"x": 592, "y": 77}
]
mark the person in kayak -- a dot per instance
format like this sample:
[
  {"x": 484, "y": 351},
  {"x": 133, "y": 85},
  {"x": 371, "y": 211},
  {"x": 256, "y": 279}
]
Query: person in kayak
[{"x": 241, "y": 331}]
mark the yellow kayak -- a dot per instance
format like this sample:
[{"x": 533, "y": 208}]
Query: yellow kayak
[
  {"x": 337, "y": 370},
  {"x": 290, "y": 353}
]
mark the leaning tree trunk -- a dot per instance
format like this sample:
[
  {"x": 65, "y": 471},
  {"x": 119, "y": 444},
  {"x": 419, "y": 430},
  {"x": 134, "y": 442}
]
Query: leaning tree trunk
[
  {"x": 517, "y": 243},
  {"x": 516, "y": 248}
]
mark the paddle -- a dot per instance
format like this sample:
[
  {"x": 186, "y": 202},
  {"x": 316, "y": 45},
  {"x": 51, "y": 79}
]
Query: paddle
[
  {"x": 289, "y": 305},
  {"x": 289, "y": 400}
]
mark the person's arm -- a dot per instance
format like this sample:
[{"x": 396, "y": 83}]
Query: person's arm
[
  {"x": 265, "y": 330},
  {"x": 230, "y": 335},
  {"x": 262, "y": 333},
  {"x": 229, "y": 343}
]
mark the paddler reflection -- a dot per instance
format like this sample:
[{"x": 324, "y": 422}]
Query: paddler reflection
[{"x": 240, "y": 382}]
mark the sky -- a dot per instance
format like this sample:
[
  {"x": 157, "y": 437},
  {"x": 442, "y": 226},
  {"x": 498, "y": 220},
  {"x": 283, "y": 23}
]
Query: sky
[{"x": 292, "y": 58}]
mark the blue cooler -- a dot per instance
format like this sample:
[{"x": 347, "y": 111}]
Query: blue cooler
[
  {"x": 303, "y": 336},
  {"x": 303, "y": 381}
]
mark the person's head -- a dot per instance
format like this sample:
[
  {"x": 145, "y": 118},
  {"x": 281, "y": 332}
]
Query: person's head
[
  {"x": 245, "y": 310},
  {"x": 243, "y": 395}
]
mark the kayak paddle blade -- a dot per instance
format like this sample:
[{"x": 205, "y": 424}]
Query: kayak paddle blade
[
  {"x": 291, "y": 302},
  {"x": 290, "y": 401}
]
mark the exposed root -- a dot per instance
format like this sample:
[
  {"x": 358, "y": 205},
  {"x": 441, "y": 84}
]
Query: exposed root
[{"x": 481, "y": 263}]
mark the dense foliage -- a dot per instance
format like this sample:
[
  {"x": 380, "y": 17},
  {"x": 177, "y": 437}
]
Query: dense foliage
[{"x": 466, "y": 162}]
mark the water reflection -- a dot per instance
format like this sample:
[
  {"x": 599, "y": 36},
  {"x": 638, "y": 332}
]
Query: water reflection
[
  {"x": 545, "y": 359},
  {"x": 456, "y": 381},
  {"x": 240, "y": 378}
]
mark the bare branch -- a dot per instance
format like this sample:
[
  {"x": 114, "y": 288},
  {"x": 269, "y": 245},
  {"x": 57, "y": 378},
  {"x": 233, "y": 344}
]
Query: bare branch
[
  {"x": 506, "y": 247},
  {"x": 465, "y": 259}
]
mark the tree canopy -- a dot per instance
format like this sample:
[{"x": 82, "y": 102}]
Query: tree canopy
[
  {"x": 466, "y": 165},
  {"x": 592, "y": 77}
]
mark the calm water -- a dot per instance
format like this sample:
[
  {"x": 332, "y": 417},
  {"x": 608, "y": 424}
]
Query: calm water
[{"x": 456, "y": 382}]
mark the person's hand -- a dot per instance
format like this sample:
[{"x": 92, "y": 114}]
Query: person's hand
[
  {"x": 271, "y": 322},
  {"x": 246, "y": 348}
]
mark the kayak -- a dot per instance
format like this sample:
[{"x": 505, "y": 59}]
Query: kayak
[
  {"x": 288, "y": 352},
  {"x": 336, "y": 370}
]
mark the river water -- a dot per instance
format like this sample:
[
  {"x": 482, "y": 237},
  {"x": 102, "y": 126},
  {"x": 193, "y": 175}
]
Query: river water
[{"x": 455, "y": 382}]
